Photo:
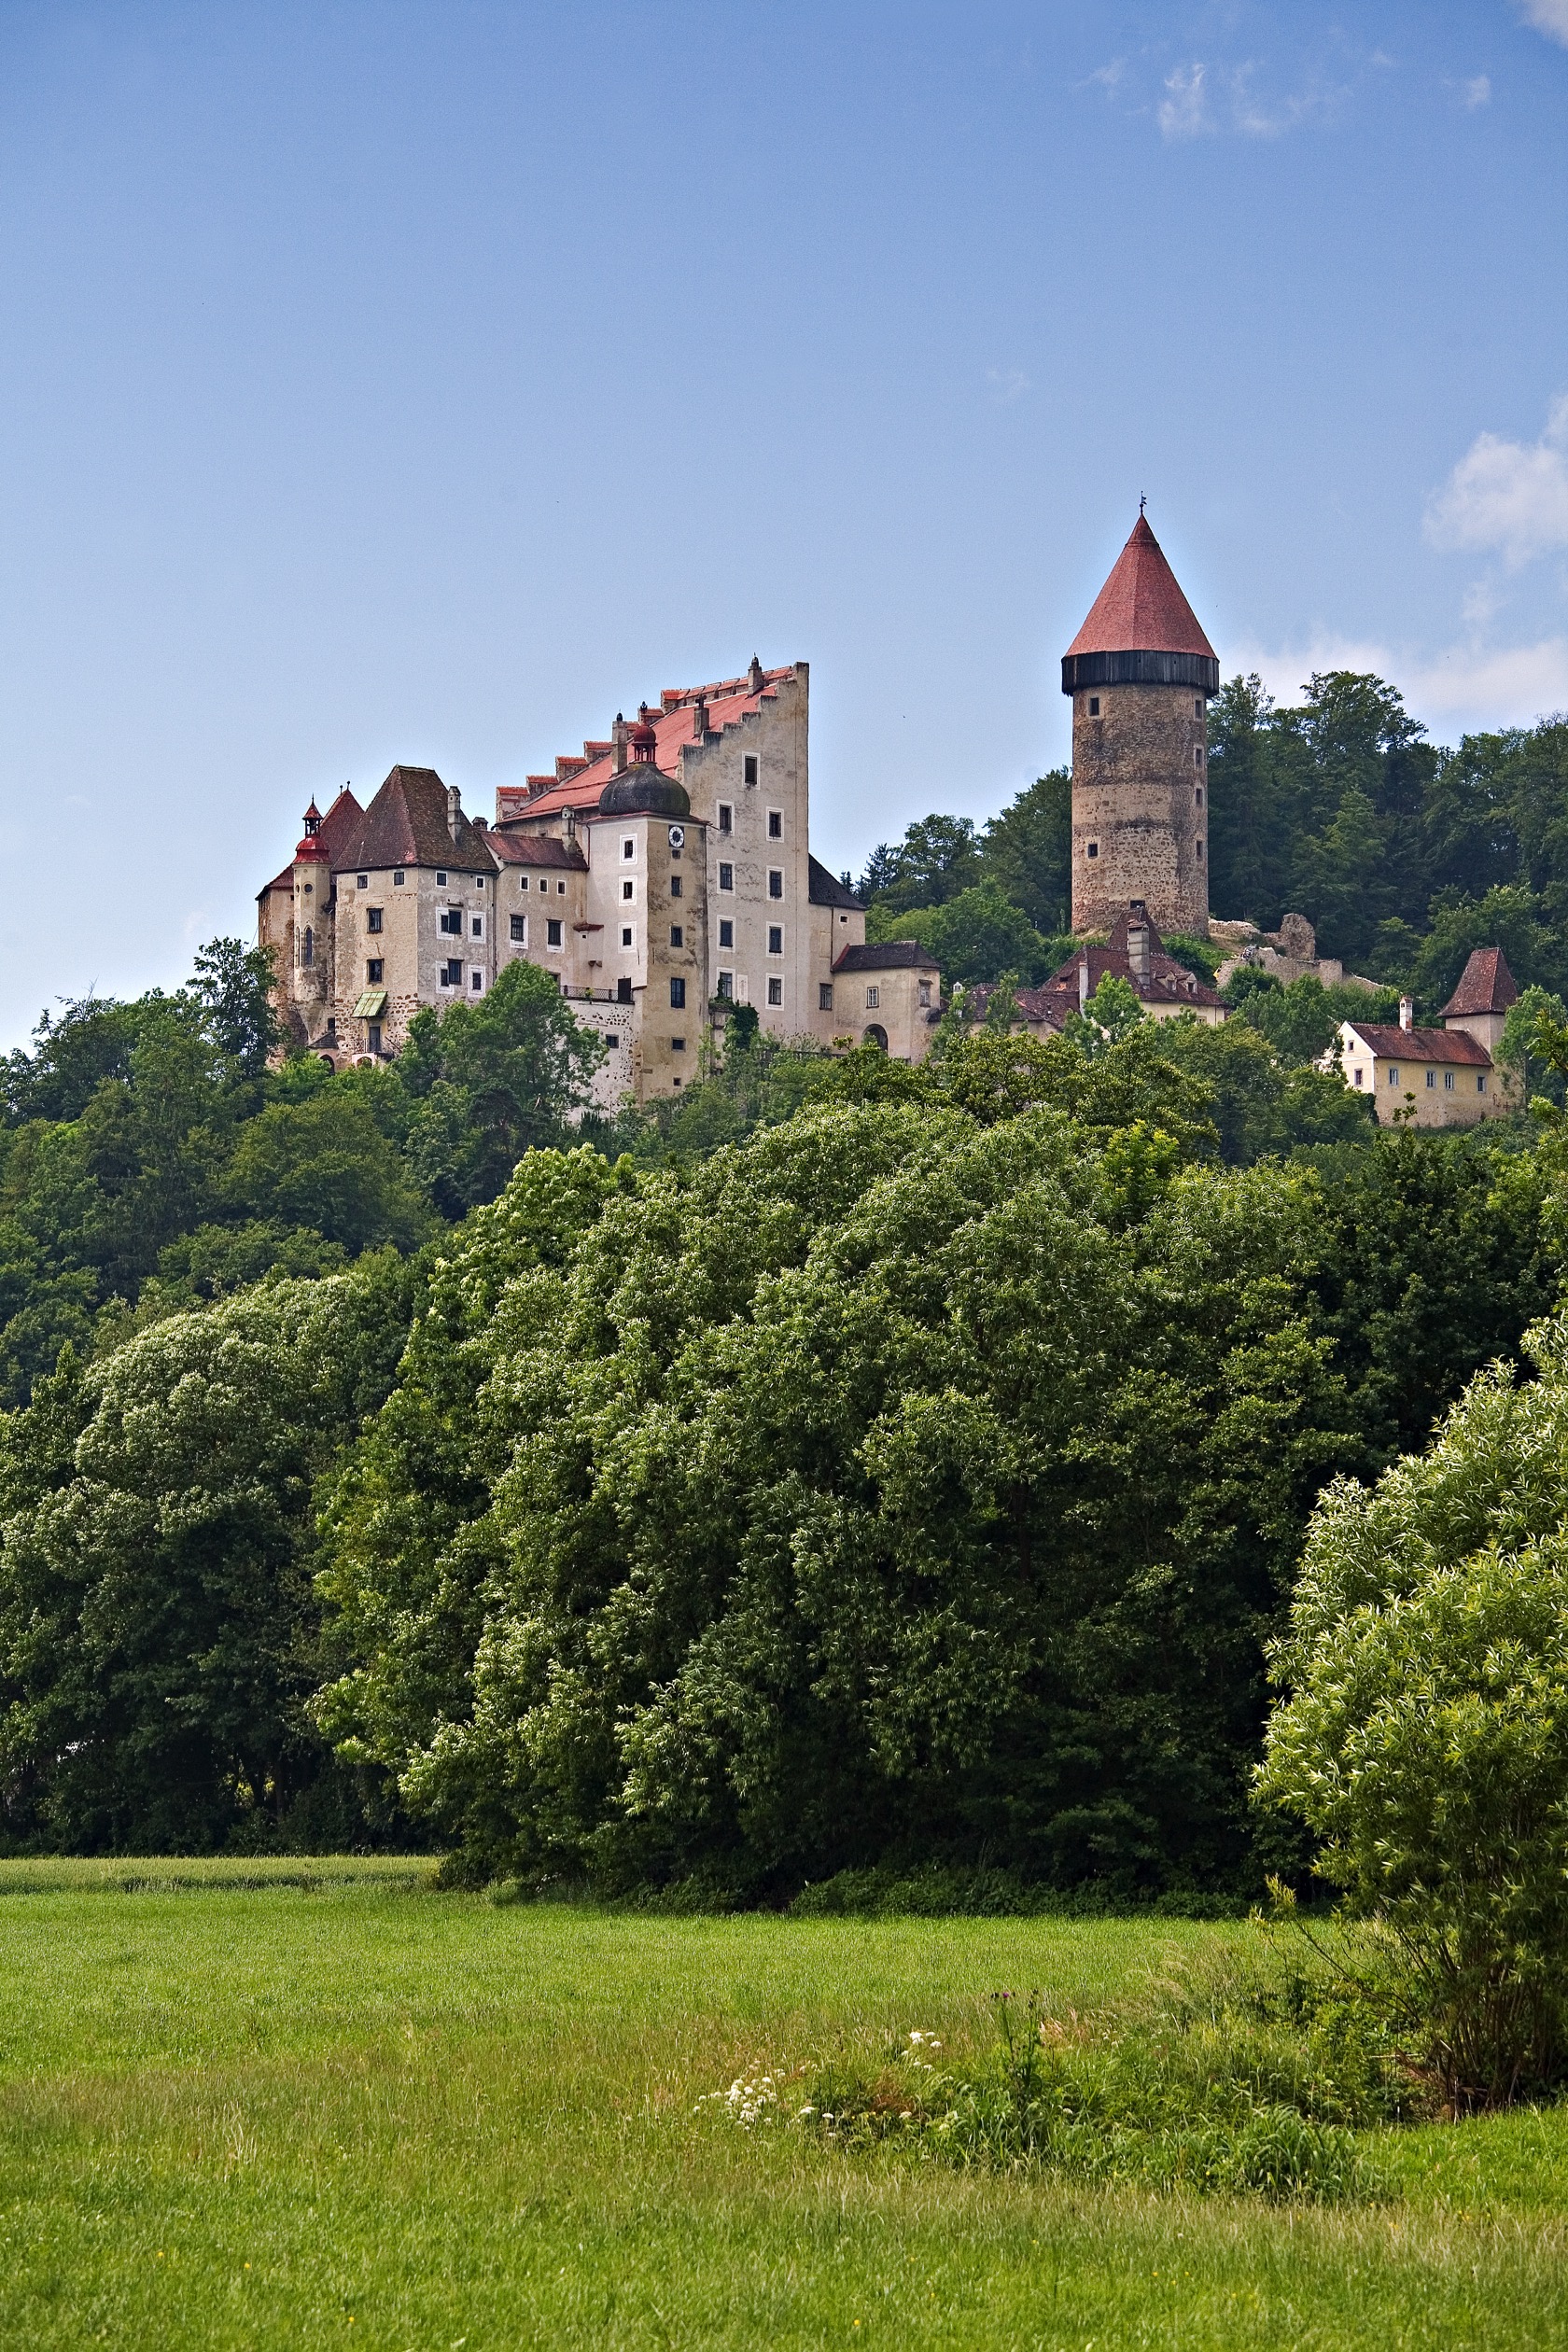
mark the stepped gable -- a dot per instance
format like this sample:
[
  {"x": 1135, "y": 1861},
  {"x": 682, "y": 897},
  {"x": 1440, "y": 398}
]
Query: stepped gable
[
  {"x": 1390, "y": 1042},
  {"x": 1141, "y": 609},
  {"x": 338, "y": 827},
  {"x": 581, "y": 777},
  {"x": 1485, "y": 986},
  {"x": 826, "y": 889},
  {"x": 407, "y": 825}
]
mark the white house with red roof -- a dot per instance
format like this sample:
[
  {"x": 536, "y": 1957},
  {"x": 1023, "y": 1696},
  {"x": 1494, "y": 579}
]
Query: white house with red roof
[
  {"x": 1437, "y": 1077},
  {"x": 662, "y": 876}
]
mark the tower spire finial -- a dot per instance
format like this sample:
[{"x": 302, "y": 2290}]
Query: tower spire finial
[{"x": 1142, "y": 503}]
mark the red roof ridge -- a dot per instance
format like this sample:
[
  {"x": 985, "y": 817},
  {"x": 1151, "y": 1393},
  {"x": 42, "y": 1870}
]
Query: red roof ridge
[
  {"x": 1141, "y": 609},
  {"x": 1388, "y": 1042}
]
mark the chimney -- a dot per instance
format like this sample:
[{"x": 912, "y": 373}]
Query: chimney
[
  {"x": 454, "y": 809},
  {"x": 1407, "y": 1014},
  {"x": 1138, "y": 939},
  {"x": 754, "y": 678},
  {"x": 1082, "y": 982},
  {"x": 618, "y": 734},
  {"x": 699, "y": 718}
]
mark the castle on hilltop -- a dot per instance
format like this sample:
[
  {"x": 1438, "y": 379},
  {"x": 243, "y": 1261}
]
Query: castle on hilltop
[{"x": 663, "y": 877}]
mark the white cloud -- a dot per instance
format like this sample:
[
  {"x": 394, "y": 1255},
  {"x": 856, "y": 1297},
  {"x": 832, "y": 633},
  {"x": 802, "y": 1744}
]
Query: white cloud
[
  {"x": 1463, "y": 690},
  {"x": 1007, "y": 384},
  {"x": 1184, "y": 112},
  {"x": 1477, "y": 93},
  {"x": 1109, "y": 77},
  {"x": 1549, "y": 16},
  {"x": 1509, "y": 496}
]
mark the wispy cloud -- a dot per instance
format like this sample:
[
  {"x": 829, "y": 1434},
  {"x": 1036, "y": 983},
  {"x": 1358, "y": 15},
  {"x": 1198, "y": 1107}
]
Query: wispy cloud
[
  {"x": 1507, "y": 498},
  {"x": 1183, "y": 111},
  {"x": 1465, "y": 688},
  {"x": 1108, "y": 76},
  {"x": 1549, "y": 16},
  {"x": 1006, "y": 384},
  {"x": 1476, "y": 91}
]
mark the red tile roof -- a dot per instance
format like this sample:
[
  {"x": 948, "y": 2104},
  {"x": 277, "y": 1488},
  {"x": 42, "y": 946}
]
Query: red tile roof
[
  {"x": 1141, "y": 609},
  {"x": 1485, "y": 986},
  {"x": 513, "y": 847},
  {"x": 337, "y": 826},
  {"x": 728, "y": 701},
  {"x": 1168, "y": 981},
  {"x": 406, "y": 825},
  {"x": 1396, "y": 1044}
]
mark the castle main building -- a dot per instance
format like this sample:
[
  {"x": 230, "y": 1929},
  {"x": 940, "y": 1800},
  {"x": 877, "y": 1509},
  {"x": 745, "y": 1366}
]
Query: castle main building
[
  {"x": 1141, "y": 672},
  {"x": 662, "y": 875}
]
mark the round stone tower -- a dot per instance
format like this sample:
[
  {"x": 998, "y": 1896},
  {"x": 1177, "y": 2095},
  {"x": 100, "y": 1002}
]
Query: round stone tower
[{"x": 1141, "y": 672}]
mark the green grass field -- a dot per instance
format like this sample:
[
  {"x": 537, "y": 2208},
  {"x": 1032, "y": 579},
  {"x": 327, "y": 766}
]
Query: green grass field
[{"x": 319, "y": 2104}]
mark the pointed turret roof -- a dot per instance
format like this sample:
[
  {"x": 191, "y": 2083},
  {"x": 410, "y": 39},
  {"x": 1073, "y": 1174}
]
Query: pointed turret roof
[
  {"x": 1485, "y": 986},
  {"x": 1141, "y": 609}
]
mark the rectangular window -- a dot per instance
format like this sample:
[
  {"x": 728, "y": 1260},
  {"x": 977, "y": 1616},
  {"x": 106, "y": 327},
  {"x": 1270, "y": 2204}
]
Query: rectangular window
[
  {"x": 1447, "y": 1079},
  {"x": 1198, "y": 796},
  {"x": 1094, "y": 705},
  {"x": 372, "y": 1037},
  {"x": 678, "y": 996},
  {"x": 440, "y": 881},
  {"x": 372, "y": 919},
  {"x": 479, "y": 881},
  {"x": 373, "y": 970},
  {"x": 560, "y": 889},
  {"x": 628, "y": 889},
  {"x": 612, "y": 1040},
  {"x": 1392, "y": 1076},
  {"x": 675, "y": 886},
  {"x": 477, "y": 980},
  {"x": 1197, "y": 755},
  {"x": 521, "y": 881},
  {"x": 726, "y": 984},
  {"x": 1198, "y": 848},
  {"x": 1094, "y": 849},
  {"x": 1432, "y": 1077},
  {"x": 627, "y": 937},
  {"x": 726, "y": 818},
  {"x": 1357, "y": 1076},
  {"x": 775, "y": 882},
  {"x": 775, "y": 939},
  {"x": 553, "y": 932},
  {"x": 452, "y": 921},
  {"x": 476, "y": 926},
  {"x": 1480, "y": 1082},
  {"x": 873, "y": 998},
  {"x": 776, "y": 824},
  {"x": 307, "y": 947},
  {"x": 749, "y": 767},
  {"x": 361, "y": 881},
  {"x": 824, "y": 995},
  {"x": 726, "y": 931},
  {"x": 775, "y": 991},
  {"x": 726, "y": 877},
  {"x": 519, "y": 929},
  {"x": 1197, "y": 706},
  {"x": 678, "y": 937},
  {"x": 629, "y": 846},
  {"x": 925, "y": 987},
  {"x": 397, "y": 881},
  {"x": 451, "y": 975},
  {"x": 678, "y": 1045}
]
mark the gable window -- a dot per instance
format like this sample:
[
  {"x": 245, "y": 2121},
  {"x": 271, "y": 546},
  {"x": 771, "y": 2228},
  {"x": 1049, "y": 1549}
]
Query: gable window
[
  {"x": 372, "y": 919},
  {"x": 776, "y": 824},
  {"x": 678, "y": 996},
  {"x": 726, "y": 931},
  {"x": 749, "y": 768},
  {"x": 372, "y": 969},
  {"x": 775, "y": 939},
  {"x": 519, "y": 929},
  {"x": 726, "y": 816},
  {"x": 824, "y": 995},
  {"x": 873, "y": 998},
  {"x": 775, "y": 882},
  {"x": 726, "y": 877},
  {"x": 775, "y": 991},
  {"x": 552, "y": 933}
]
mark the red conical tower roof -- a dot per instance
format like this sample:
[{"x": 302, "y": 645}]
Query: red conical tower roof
[{"x": 1141, "y": 609}]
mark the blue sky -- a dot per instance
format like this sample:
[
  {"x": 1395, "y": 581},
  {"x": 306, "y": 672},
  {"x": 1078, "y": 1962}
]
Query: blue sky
[{"x": 416, "y": 382}]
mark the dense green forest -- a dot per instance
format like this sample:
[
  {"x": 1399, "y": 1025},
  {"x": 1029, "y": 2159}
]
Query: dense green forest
[
  {"x": 842, "y": 1464},
  {"x": 1402, "y": 854}
]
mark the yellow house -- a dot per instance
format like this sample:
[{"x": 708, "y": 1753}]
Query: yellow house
[{"x": 1445, "y": 1077}]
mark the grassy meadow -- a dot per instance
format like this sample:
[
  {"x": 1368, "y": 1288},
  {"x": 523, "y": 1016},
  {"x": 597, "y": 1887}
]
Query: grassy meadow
[{"x": 317, "y": 2102}]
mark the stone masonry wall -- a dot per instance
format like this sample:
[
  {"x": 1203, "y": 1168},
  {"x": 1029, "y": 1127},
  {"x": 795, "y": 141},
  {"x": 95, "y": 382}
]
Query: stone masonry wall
[{"x": 1140, "y": 806}]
